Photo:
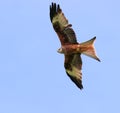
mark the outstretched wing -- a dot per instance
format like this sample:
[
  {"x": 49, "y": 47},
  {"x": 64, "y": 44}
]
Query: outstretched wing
[
  {"x": 61, "y": 25},
  {"x": 73, "y": 66},
  {"x": 73, "y": 63}
]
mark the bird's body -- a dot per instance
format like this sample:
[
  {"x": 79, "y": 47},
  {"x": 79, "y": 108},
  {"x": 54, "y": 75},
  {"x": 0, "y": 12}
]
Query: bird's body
[
  {"x": 86, "y": 48},
  {"x": 71, "y": 49}
]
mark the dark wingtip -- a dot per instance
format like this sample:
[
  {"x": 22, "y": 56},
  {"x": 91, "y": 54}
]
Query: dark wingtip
[
  {"x": 78, "y": 83},
  {"x": 80, "y": 86},
  {"x": 54, "y": 9}
]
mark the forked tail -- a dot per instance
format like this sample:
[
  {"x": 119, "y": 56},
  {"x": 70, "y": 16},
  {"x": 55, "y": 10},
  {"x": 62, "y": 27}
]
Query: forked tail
[{"x": 88, "y": 49}]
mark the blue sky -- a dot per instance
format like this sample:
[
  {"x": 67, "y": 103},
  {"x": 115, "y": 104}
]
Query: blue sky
[{"x": 32, "y": 75}]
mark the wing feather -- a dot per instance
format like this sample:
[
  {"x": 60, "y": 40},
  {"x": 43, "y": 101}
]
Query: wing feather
[
  {"x": 73, "y": 66},
  {"x": 61, "y": 25},
  {"x": 66, "y": 34}
]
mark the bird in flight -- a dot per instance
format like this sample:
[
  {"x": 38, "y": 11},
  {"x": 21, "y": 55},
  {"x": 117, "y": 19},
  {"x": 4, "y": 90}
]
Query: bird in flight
[{"x": 71, "y": 49}]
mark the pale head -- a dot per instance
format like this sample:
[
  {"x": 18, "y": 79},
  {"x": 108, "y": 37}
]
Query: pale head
[{"x": 60, "y": 50}]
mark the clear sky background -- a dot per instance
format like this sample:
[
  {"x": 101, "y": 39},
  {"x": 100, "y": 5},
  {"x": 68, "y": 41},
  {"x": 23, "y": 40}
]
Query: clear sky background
[{"x": 32, "y": 75}]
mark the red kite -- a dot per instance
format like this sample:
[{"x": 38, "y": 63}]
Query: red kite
[{"x": 71, "y": 49}]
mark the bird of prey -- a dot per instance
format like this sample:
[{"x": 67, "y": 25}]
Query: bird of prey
[{"x": 71, "y": 49}]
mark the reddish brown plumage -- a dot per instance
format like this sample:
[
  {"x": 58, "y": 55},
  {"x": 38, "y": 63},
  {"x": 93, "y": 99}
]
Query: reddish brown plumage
[{"x": 70, "y": 47}]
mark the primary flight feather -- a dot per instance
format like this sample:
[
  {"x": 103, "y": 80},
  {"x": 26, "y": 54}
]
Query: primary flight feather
[{"x": 71, "y": 49}]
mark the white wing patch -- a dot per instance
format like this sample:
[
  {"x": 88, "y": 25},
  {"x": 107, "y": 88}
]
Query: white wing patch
[
  {"x": 60, "y": 18},
  {"x": 75, "y": 72}
]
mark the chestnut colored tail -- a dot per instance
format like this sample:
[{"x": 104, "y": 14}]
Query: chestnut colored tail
[{"x": 88, "y": 49}]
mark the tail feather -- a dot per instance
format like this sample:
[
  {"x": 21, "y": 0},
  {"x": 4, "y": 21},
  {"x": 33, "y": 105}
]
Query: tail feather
[{"x": 88, "y": 49}]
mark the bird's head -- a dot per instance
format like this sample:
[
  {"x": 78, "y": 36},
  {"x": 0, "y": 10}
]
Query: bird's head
[{"x": 60, "y": 50}]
